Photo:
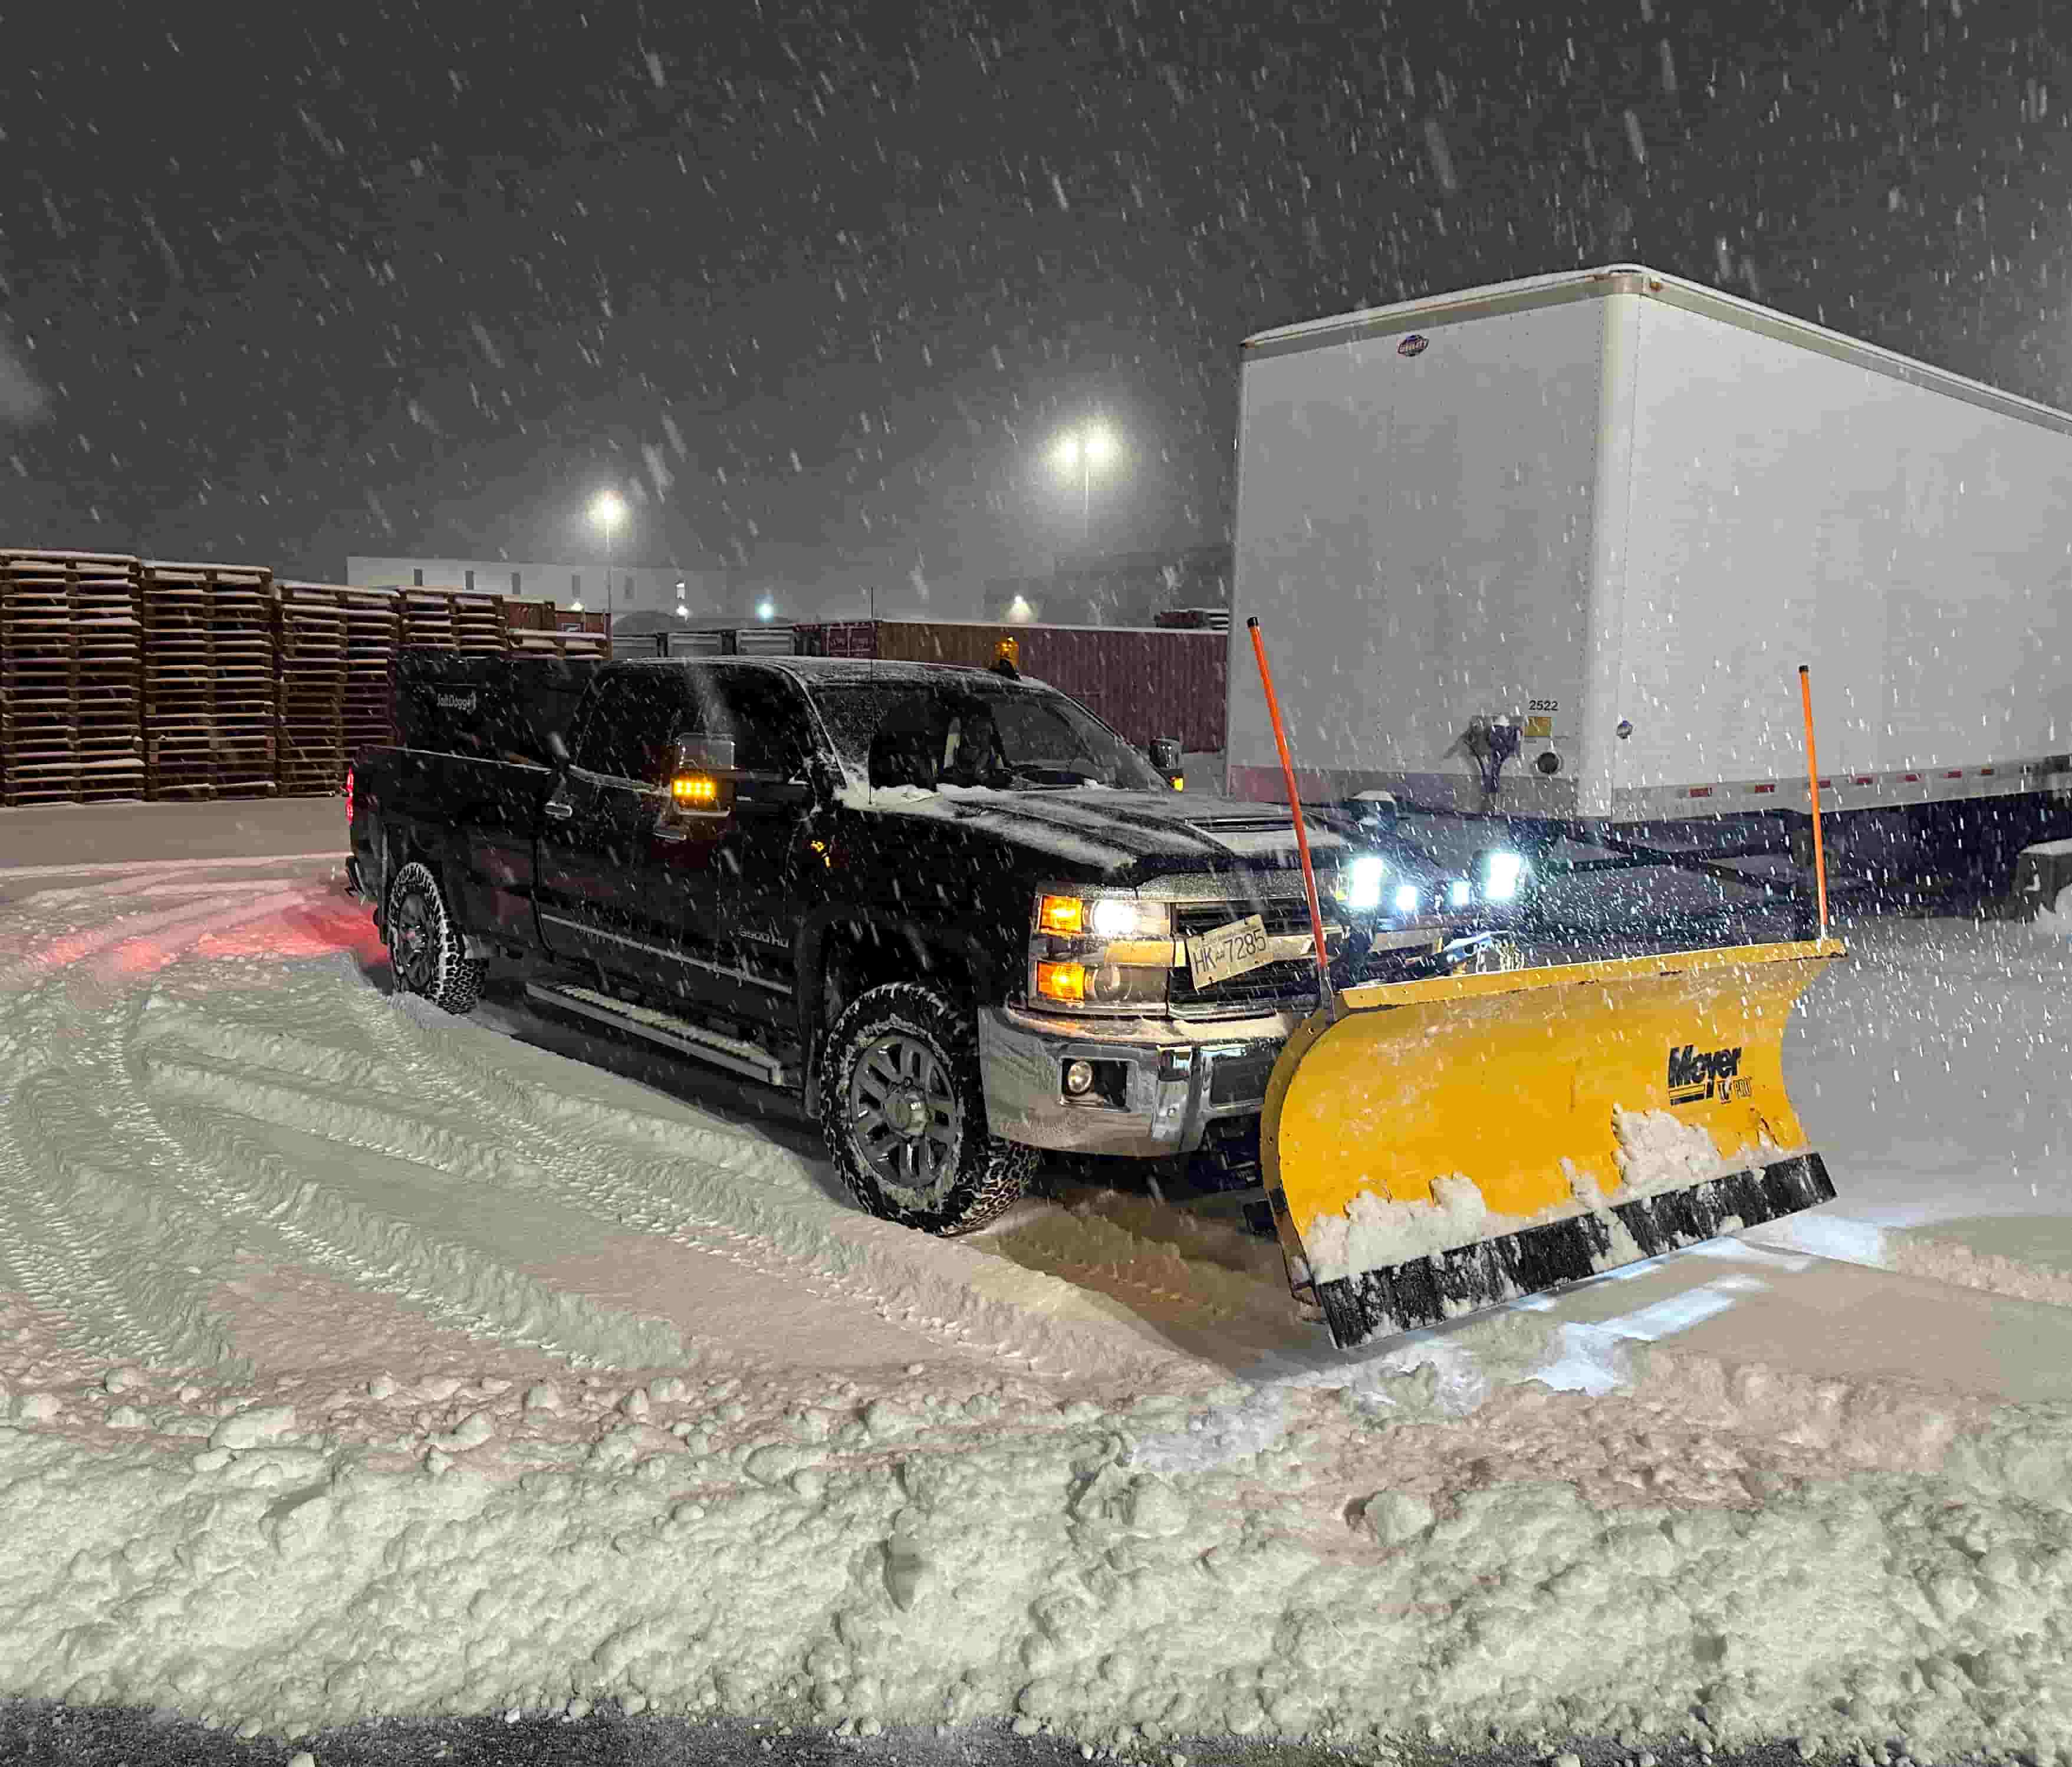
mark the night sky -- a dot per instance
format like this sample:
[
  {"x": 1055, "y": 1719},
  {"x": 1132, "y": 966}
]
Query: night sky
[{"x": 818, "y": 285}]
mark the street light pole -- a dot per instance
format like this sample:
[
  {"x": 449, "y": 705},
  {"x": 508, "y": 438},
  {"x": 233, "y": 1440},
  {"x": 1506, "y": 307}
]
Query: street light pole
[
  {"x": 1081, "y": 448},
  {"x": 606, "y": 510}
]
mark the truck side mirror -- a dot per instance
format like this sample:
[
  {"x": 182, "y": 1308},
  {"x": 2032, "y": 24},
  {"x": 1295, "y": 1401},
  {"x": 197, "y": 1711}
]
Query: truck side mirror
[
  {"x": 824, "y": 777},
  {"x": 1165, "y": 752},
  {"x": 701, "y": 782}
]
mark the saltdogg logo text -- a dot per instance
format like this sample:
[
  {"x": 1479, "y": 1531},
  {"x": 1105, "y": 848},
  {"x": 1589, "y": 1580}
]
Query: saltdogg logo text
[{"x": 1696, "y": 1074}]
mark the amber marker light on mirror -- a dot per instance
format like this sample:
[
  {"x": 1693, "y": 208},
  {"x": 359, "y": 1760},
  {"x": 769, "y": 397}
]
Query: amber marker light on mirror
[{"x": 694, "y": 790}]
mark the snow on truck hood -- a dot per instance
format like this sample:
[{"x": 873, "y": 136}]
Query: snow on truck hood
[{"x": 1113, "y": 830}]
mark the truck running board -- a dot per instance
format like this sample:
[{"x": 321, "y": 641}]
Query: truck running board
[{"x": 672, "y": 1032}]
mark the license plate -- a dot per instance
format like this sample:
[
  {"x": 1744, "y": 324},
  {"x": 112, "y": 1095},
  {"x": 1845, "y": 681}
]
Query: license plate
[{"x": 1218, "y": 955}]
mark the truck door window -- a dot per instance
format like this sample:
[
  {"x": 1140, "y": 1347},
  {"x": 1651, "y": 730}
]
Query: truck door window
[
  {"x": 766, "y": 714},
  {"x": 632, "y": 720}
]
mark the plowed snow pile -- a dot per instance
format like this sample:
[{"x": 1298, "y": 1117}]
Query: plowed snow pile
[{"x": 359, "y": 1360}]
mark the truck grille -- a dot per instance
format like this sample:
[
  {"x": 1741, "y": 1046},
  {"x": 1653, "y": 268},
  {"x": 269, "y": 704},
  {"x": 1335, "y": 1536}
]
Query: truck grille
[{"x": 1271, "y": 984}]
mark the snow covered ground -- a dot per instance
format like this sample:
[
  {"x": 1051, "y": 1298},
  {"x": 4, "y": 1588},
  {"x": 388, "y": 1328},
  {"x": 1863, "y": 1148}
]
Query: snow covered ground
[{"x": 360, "y": 1360}]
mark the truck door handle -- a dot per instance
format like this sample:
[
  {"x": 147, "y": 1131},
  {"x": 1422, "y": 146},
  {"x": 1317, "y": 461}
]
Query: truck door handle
[{"x": 560, "y": 808}]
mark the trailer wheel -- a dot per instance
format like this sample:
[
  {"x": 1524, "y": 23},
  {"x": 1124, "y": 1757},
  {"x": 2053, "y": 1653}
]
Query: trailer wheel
[
  {"x": 903, "y": 1110},
  {"x": 425, "y": 946}
]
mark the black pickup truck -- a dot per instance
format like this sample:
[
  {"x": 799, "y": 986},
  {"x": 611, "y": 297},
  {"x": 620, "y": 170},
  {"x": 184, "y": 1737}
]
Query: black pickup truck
[{"x": 954, "y": 911}]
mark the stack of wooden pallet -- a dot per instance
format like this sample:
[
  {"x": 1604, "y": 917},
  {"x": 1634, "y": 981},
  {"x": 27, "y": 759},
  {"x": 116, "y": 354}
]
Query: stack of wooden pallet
[
  {"x": 478, "y": 623},
  {"x": 246, "y": 704},
  {"x": 180, "y": 684},
  {"x": 217, "y": 684},
  {"x": 428, "y": 617},
  {"x": 309, "y": 663},
  {"x": 452, "y": 619},
  {"x": 109, "y": 699},
  {"x": 39, "y": 677},
  {"x": 373, "y": 630}
]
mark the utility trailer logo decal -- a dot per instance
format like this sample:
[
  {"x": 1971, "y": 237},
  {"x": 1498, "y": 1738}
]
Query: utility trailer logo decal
[
  {"x": 458, "y": 702},
  {"x": 1695, "y": 1075},
  {"x": 1412, "y": 345}
]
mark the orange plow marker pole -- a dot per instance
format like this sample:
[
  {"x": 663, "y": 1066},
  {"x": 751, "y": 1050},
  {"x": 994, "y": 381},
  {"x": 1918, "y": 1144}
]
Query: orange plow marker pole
[
  {"x": 1327, "y": 999},
  {"x": 1813, "y": 784}
]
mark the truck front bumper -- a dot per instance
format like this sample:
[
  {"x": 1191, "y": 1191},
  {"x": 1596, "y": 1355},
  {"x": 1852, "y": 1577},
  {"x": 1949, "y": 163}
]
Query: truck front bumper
[{"x": 1177, "y": 1076}]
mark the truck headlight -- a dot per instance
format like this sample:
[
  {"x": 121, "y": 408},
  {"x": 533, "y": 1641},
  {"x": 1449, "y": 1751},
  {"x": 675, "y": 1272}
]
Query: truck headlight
[
  {"x": 1501, "y": 874},
  {"x": 1359, "y": 886},
  {"x": 1406, "y": 900},
  {"x": 1110, "y": 951}
]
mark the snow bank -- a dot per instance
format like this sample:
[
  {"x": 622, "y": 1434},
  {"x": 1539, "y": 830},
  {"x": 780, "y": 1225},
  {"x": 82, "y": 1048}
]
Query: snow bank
[
  {"x": 330, "y": 1389},
  {"x": 1344, "y": 1567}
]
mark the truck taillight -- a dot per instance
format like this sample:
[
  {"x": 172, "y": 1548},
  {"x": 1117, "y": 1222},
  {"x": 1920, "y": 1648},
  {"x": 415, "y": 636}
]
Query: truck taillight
[{"x": 348, "y": 796}]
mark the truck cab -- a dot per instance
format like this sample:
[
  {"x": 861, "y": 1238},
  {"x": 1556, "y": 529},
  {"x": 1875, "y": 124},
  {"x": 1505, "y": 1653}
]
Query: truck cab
[{"x": 956, "y": 913}]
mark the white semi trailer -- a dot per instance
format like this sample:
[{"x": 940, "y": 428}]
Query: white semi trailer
[{"x": 1603, "y": 516}]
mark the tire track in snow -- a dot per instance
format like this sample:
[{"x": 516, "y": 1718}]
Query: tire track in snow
[
  {"x": 533, "y": 1129},
  {"x": 655, "y": 1205},
  {"x": 332, "y": 1229},
  {"x": 40, "y": 967},
  {"x": 120, "y": 1298},
  {"x": 90, "y": 1279},
  {"x": 52, "y": 1111}
]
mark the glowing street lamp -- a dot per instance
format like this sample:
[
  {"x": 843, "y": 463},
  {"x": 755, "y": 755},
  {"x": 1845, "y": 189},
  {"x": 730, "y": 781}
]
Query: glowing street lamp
[
  {"x": 1081, "y": 450},
  {"x": 607, "y": 511},
  {"x": 766, "y": 610}
]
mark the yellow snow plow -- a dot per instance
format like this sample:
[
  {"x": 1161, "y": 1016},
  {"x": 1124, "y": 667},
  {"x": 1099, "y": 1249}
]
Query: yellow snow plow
[{"x": 1434, "y": 1148}]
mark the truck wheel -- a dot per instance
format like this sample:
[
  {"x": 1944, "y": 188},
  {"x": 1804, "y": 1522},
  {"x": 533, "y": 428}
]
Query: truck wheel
[
  {"x": 425, "y": 945},
  {"x": 903, "y": 1110}
]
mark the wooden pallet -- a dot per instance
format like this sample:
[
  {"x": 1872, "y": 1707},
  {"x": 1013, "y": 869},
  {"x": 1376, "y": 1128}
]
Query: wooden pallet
[
  {"x": 310, "y": 666},
  {"x": 534, "y": 643}
]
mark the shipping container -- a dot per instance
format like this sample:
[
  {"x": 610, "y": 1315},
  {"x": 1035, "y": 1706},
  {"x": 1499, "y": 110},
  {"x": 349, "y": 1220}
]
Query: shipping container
[{"x": 1613, "y": 511}]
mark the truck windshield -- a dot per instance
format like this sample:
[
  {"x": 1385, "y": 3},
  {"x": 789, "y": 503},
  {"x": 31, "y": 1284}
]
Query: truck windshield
[{"x": 975, "y": 734}]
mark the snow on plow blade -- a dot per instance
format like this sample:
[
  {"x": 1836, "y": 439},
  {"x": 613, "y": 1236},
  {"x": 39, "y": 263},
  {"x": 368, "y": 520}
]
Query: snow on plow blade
[{"x": 1446, "y": 1145}]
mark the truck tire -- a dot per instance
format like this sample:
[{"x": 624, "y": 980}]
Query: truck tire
[
  {"x": 902, "y": 1107},
  {"x": 425, "y": 945}
]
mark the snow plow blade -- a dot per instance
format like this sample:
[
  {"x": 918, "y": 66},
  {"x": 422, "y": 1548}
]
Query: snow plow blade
[{"x": 1440, "y": 1147}]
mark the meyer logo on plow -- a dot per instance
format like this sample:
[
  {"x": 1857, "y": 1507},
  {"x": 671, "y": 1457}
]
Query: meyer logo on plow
[{"x": 1694, "y": 1073}]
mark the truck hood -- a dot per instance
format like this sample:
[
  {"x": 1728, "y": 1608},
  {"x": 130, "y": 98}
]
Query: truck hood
[{"x": 1126, "y": 836}]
